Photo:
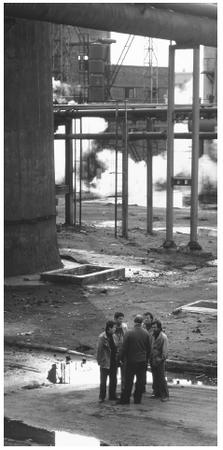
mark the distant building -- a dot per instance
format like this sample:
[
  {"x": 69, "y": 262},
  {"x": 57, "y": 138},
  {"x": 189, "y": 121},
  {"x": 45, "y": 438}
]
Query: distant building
[
  {"x": 141, "y": 84},
  {"x": 70, "y": 60},
  {"x": 82, "y": 71}
]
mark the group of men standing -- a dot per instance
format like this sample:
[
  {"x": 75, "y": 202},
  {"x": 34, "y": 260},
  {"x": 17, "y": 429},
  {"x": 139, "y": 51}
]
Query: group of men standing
[{"x": 132, "y": 350}]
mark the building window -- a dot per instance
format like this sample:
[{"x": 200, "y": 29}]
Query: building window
[{"x": 129, "y": 93}]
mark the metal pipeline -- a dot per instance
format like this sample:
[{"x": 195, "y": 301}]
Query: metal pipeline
[
  {"x": 109, "y": 110},
  {"x": 144, "y": 20},
  {"x": 133, "y": 135}
]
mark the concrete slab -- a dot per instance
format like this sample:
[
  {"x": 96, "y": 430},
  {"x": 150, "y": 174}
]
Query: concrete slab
[
  {"x": 83, "y": 274},
  {"x": 200, "y": 306}
]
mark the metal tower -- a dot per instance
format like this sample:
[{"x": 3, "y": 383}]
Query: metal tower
[{"x": 151, "y": 80}]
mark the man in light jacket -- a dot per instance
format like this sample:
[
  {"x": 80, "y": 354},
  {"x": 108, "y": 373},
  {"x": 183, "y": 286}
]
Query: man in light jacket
[
  {"x": 106, "y": 358},
  {"x": 159, "y": 350}
]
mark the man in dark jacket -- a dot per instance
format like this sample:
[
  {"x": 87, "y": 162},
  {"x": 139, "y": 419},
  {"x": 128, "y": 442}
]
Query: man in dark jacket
[
  {"x": 118, "y": 336},
  {"x": 136, "y": 351}
]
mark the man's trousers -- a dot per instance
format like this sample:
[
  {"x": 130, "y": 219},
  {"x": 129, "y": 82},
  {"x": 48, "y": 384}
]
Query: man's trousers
[
  {"x": 160, "y": 388},
  {"x": 137, "y": 369},
  {"x": 104, "y": 374}
]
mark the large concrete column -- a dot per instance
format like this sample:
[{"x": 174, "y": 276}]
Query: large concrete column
[{"x": 30, "y": 220}]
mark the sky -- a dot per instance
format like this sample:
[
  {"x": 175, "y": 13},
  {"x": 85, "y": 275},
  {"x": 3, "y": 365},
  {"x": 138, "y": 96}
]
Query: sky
[{"x": 139, "y": 48}]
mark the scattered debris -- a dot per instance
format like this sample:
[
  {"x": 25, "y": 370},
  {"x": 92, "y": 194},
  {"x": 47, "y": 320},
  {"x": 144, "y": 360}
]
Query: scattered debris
[
  {"x": 196, "y": 330},
  {"x": 177, "y": 311}
]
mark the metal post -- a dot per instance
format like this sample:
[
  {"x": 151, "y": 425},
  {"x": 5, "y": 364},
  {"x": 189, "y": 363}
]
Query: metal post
[
  {"x": 125, "y": 178},
  {"x": 116, "y": 167},
  {"x": 69, "y": 198},
  {"x": 193, "y": 244},
  {"x": 170, "y": 149},
  {"x": 149, "y": 184},
  {"x": 75, "y": 176},
  {"x": 80, "y": 180}
]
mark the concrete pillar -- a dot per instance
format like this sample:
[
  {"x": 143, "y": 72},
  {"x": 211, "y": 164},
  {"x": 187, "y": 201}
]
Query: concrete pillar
[
  {"x": 125, "y": 188},
  {"x": 170, "y": 150},
  {"x": 30, "y": 219},
  {"x": 149, "y": 182},
  {"x": 193, "y": 244},
  {"x": 69, "y": 198}
]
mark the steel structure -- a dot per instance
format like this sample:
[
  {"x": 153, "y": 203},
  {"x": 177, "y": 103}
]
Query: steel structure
[
  {"x": 121, "y": 114},
  {"x": 185, "y": 24},
  {"x": 141, "y": 19}
]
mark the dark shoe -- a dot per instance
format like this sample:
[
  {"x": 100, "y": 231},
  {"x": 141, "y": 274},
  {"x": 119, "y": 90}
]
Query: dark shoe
[
  {"x": 101, "y": 400},
  {"x": 154, "y": 396},
  {"x": 114, "y": 398},
  {"x": 164, "y": 399}
]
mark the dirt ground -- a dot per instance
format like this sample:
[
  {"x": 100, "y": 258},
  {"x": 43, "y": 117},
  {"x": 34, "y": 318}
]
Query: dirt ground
[
  {"x": 66, "y": 315},
  {"x": 157, "y": 280}
]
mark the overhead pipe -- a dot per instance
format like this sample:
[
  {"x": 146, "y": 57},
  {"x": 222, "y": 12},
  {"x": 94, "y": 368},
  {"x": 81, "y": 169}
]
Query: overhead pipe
[
  {"x": 133, "y": 110},
  {"x": 142, "y": 20},
  {"x": 131, "y": 106},
  {"x": 196, "y": 9},
  {"x": 134, "y": 135}
]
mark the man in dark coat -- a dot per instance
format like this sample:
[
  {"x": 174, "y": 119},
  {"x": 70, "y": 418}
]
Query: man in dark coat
[
  {"x": 118, "y": 336},
  {"x": 135, "y": 351}
]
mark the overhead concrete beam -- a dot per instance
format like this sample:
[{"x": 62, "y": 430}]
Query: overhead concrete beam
[
  {"x": 138, "y": 19},
  {"x": 197, "y": 9}
]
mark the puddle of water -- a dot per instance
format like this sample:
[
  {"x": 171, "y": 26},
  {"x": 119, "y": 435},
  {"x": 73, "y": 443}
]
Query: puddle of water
[
  {"x": 29, "y": 371},
  {"x": 63, "y": 438},
  {"x": 201, "y": 380},
  {"x": 78, "y": 373},
  {"x": 107, "y": 223},
  {"x": 211, "y": 231},
  {"x": 81, "y": 374},
  {"x": 86, "y": 375},
  {"x": 18, "y": 431},
  {"x": 213, "y": 262}
]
